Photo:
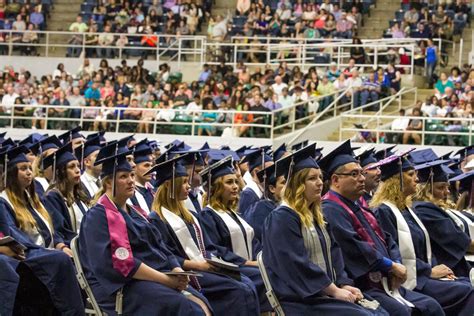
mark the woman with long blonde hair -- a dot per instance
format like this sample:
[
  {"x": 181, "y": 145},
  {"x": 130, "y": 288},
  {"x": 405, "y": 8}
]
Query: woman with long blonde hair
[
  {"x": 225, "y": 228},
  {"x": 393, "y": 207},
  {"x": 46, "y": 255},
  {"x": 303, "y": 263},
  {"x": 186, "y": 238}
]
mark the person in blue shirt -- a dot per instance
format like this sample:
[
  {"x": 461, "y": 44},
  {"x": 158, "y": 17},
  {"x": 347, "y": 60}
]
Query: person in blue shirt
[
  {"x": 371, "y": 256},
  {"x": 395, "y": 214},
  {"x": 92, "y": 92}
]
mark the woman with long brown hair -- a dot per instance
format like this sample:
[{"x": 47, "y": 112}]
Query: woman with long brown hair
[
  {"x": 45, "y": 260},
  {"x": 121, "y": 251},
  {"x": 418, "y": 246},
  {"x": 188, "y": 241},
  {"x": 224, "y": 227},
  {"x": 66, "y": 195},
  {"x": 303, "y": 263}
]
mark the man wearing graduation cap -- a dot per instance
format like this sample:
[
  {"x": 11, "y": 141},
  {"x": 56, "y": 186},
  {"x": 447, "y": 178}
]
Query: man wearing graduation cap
[
  {"x": 144, "y": 192},
  {"x": 194, "y": 163},
  {"x": 87, "y": 153},
  {"x": 252, "y": 192},
  {"x": 466, "y": 154},
  {"x": 73, "y": 136},
  {"x": 372, "y": 175},
  {"x": 372, "y": 258},
  {"x": 29, "y": 142}
]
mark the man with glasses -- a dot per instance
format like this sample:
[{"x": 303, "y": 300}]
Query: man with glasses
[
  {"x": 372, "y": 175},
  {"x": 371, "y": 257}
]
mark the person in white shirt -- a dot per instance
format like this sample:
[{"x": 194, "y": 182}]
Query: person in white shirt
[
  {"x": 8, "y": 100},
  {"x": 194, "y": 107},
  {"x": 430, "y": 107},
  {"x": 87, "y": 154},
  {"x": 328, "y": 6},
  {"x": 279, "y": 85},
  {"x": 355, "y": 82}
]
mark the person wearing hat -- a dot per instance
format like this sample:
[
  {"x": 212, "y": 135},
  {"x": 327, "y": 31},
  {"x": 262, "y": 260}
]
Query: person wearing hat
[
  {"x": 372, "y": 175},
  {"x": 252, "y": 192},
  {"x": 306, "y": 278},
  {"x": 29, "y": 142},
  {"x": 372, "y": 258},
  {"x": 225, "y": 228},
  {"x": 466, "y": 155},
  {"x": 273, "y": 181},
  {"x": 194, "y": 163},
  {"x": 449, "y": 243},
  {"x": 45, "y": 261},
  {"x": 42, "y": 175},
  {"x": 87, "y": 154},
  {"x": 66, "y": 198},
  {"x": 187, "y": 239},
  {"x": 133, "y": 257},
  {"x": 144, "y": 192},
  {"x": 73, "y": 136},
  {"x": 393, "y": 208}
]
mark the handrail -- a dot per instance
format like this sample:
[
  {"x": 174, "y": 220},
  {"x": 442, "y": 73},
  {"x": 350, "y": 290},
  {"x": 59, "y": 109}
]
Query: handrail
[
  {"x": 331, "y": 106},
  {"x": 379, "y": 129}
]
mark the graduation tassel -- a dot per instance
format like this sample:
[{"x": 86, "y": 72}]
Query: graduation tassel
[
  {"x": 114, "y": 170},
  {"x": 172, "y": 181},
  {"x": 41, "y": 157},
  {"x": 431, "y": 180},
  {"x": 82, "y": 156},
  {"x": 209, "y": 181},
  {"x": 263, "y": 158},
  {"x": 400, "y": 163},
  {"x": 5, "y": 169},
  {"x": 54, "y": 168},
  {"x": 265, "y": 184},
  {"x": 290, "y": 169},
  {"x": 192, "y": 170}
]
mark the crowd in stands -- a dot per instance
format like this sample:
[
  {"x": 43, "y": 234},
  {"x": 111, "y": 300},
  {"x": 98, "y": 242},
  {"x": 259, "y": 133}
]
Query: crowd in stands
[
  {"x": 135, "y": 93},
  {"x": 453, "y": 98}
]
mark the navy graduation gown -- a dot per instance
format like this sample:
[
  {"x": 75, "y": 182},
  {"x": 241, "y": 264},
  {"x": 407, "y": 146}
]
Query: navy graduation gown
[
  {"x": 448, "y": 242},
  {"x": 54, "y": 269},
  {"x": 194, "y": 199},
  {"x": 39, "y": 188},
  {"x": 257, "y": 214},
  {"x": 361, "y": 259},
  {"x": 456, "y": 297},
  {"x": 9, "y": 281},
  {"x": 248, "y": 197},
  {"x": 56, "y": 205},
  {"x": 139, "y": 297},
  {"x": 297, "y": 282},
  {"x": 219, "y": 235},
  {"x": 147, "y": 195},
  {"x": 221, "y": 291}
]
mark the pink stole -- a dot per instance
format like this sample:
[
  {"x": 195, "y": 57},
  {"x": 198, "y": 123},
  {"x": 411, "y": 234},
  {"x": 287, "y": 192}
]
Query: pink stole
[
  {"x": 361, "y": 231},
  {"x": 122, "y": 256}
]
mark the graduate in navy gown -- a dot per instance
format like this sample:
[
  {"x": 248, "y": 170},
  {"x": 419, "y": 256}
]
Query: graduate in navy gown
[
  {"x": 273, "y": 182},
  {"x": 372, "y": 176},
  {"x": 144, "y": 192},
  {"x": 9, "y": 281},
  {"x": 371, "y": 256},
  {"x": 183, "y": 233},
  {"x": 257, "y": 160},
  {"x": 392, "y": 206},
  {"x": 194, "y": 164},
  {"x": 303, "y": 262},
  {"x": 132, "y": 256},
  {"x": 86, "y": 154},
  {"x": 42, "y": 176},
  {"x": 66, "y": 199},
  {"x": 24, "y": 218},
  {"x": 449, "y": 242},
  {"x": 73, "y": 136},
  {"x": 225, "y": 228}
]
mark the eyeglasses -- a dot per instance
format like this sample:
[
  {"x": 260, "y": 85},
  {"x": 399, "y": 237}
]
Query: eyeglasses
[{"x": 353, "y": 174}]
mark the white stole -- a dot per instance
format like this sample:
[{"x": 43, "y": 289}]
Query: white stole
[
  {"x": 405, "y": 242},
  {"x": 75, "y": 213},
  {"x": 35, "y": 235},
  {"x": 456, "y": 216},
  {"x": 251, "y": 184},
  {"x": 44, "y": 183},
  {"x": 89, "y": 184},
  {"x": 239, "y": 246},
  {"x": 183, "y": 234},
  {"x": 142, "y": 202},
  {"x": 189, "y": 204}
]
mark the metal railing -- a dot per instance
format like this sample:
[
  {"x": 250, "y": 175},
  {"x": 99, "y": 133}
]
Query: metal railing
[
  {"x": 434, "y": 131},
  {"x": 307, "y": 52}
]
